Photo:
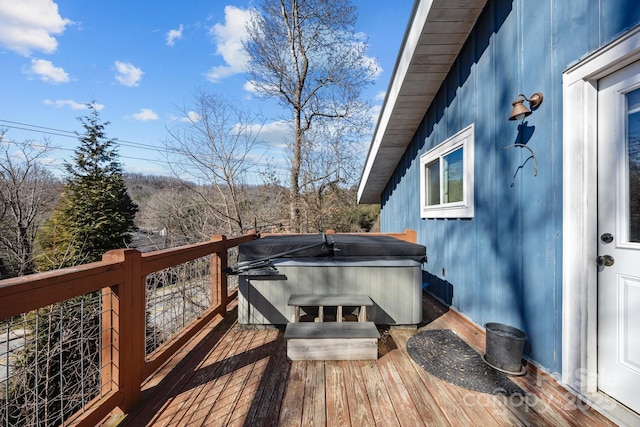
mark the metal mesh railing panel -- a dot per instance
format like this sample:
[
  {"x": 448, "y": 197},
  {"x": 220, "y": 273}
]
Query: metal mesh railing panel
[
  {"x": 50, "y": 362},
  {"x": 174, "y": 297}
]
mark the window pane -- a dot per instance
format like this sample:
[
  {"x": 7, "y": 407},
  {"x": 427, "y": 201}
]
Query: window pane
[
  {"x": 433, "y": 183},
  {"x": 633, "y": 153},
  {"x": 453, "y": 177}
]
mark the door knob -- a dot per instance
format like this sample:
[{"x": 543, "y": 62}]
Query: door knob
[{"x": 606, "y": 261}]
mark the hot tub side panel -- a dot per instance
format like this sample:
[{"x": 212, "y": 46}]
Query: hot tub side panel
[{"x": 394, "y": 286}]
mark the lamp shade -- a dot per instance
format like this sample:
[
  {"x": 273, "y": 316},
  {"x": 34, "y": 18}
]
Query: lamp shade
[{"x": 519, "y": 111}]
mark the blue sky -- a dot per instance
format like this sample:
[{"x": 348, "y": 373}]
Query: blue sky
[{"x": 143, "y": 62}]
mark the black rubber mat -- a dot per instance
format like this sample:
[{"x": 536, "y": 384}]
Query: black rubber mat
[{"x": 442, "y": 353}]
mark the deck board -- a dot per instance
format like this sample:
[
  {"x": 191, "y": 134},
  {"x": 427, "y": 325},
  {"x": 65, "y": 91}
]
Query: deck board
[
  {"x": 403, "y": 405},
  {"x": 238, "y": 376},
  {"x": 233, "y": 386},
  {"x": 360, "y": 410},
  {"x": 265, "y": 408},
  {"x": 337, "y": 403},
  {"x": 381, "y": 405},
  {"x": 204, "y": 389},
  {"x": 314, "y": 404},
  {"x": 433, "y": 400},
  {"x": 291, "y": 409}
]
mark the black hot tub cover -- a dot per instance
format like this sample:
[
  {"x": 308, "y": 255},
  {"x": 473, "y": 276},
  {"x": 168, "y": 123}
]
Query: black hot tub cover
[{"x": 338, "y": 246}]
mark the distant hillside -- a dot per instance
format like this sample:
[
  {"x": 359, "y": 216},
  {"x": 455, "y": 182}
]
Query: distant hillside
[
  {"x": 140, "y": 186},
  {"x": 186, "y": 212}
]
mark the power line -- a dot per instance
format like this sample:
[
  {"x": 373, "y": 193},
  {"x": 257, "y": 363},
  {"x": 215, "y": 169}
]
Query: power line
[
  {"x": 36, "y": 145},
  {"x": 159, "y": 163},
  {"x": 125, "y": 143},
  {"x": 73, "y": 134}
]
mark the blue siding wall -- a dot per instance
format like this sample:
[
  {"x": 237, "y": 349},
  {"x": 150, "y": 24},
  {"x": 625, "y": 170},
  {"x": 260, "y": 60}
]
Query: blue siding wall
[{"x": 504, "y": 265}]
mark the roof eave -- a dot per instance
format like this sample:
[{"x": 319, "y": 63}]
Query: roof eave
[{"x": 436, "y": 33}]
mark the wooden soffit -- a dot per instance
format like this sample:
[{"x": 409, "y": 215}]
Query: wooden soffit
[{"x": 435, "y": 35}]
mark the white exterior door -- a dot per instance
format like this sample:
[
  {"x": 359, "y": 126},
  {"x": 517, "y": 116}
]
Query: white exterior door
[{"x": 619, "y": 236}]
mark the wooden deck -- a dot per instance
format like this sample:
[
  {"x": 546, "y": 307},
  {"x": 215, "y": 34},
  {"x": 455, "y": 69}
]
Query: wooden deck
[{"x": 240, "y": 377}]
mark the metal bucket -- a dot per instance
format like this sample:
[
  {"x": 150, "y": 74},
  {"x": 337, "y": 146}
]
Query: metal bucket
[{"x": 504, "y": 347}]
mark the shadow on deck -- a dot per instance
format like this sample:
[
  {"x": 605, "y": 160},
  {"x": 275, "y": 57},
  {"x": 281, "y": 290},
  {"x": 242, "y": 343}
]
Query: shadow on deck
[{"x": 232, "y": 375}]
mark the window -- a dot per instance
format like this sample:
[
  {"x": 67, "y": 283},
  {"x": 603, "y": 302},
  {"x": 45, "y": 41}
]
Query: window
[{"x": 446, "y": 178}]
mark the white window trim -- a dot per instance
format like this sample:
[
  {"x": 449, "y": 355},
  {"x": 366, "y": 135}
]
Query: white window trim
[
  {"x": 580, "y": 220},
  {"x": 465, "y": 209}
]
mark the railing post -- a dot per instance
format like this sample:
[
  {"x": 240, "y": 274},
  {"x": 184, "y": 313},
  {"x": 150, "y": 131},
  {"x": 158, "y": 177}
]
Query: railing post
[
  {"x": 124, "y": 329},
  {"x": 110, "y": 341},
  {"x": 219, "y": 284},
  {"x": 411, "y": 235}
]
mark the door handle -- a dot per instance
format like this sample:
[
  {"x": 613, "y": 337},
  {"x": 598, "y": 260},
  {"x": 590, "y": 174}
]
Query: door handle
[{"x": 605, "y": 261}]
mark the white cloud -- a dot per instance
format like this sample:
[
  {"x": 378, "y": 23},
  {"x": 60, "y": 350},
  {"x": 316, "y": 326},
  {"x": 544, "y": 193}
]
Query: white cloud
[
  {"x": 145, "y": 114},
  {"x": 275, "y": 134},
  {"x": 375, "y": 112},
  {"x": 250, "y": 87},
  {"x": 374, "y": 64},
  {"x": 192, "y": 117},
  {"x": 381, "y": 95},
  {"x": 47, "y": 72},
  {"x": 128, "y": 74},
  {"x": 30, "y": 25},
  {"x": 59, "y": 103},
  {"x": 174, "y": 35},
  {"x": 228, "y": 38}
]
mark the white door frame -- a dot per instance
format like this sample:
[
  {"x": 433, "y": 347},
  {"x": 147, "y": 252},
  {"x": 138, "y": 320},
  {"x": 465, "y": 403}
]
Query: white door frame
[{"x": 579, "y": 213}]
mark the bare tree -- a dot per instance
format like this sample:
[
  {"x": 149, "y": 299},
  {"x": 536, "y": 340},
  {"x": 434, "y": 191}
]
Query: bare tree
[
  {"x": 179, "y": 216},
  {"x": 307, "y": 54},
  {"x": 28, "y": 192},
  {"x": 328, "y": 169},
  {"x": 216, "y": 146}
]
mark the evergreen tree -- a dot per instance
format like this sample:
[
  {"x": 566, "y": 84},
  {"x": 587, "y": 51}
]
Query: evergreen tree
[
  {"x": 58, "y": 370},
  {"x": 95, "y": 213}
]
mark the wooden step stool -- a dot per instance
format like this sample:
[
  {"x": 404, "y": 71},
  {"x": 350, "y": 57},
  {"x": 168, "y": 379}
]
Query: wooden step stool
[{"x": 331, "y": 340}]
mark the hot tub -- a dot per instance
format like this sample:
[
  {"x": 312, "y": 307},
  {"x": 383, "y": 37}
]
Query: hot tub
[{"x": 386, "y": 269}]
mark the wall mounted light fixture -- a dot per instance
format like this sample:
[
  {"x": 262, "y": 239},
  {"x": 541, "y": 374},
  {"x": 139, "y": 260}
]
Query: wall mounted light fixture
[{"x": 519, "y": 111}]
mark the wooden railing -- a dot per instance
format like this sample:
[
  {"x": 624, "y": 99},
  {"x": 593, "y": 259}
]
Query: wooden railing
[
  {"x": 407, "y": 235},
  {"x": 120, "y": 277}
]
